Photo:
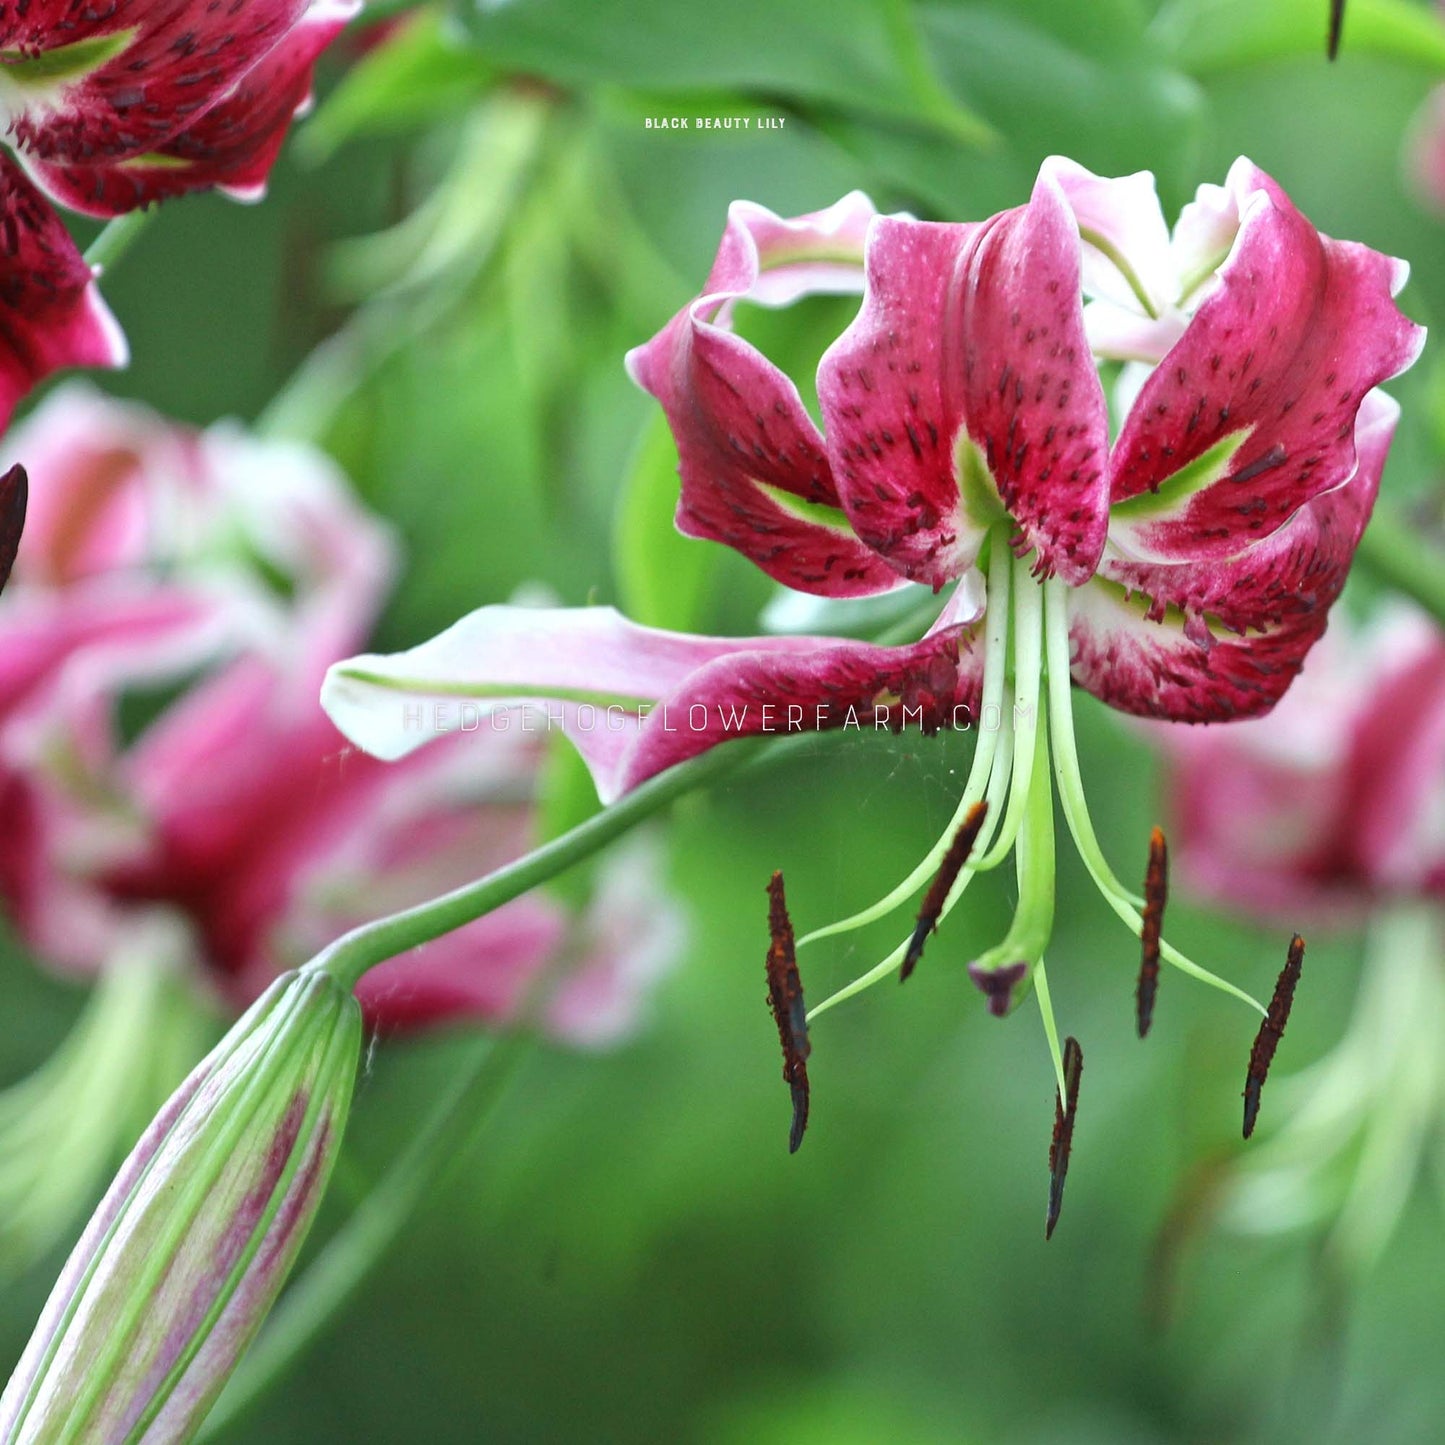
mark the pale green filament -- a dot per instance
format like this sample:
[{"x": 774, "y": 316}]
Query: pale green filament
[
  {"x": 995, "y": 666},
  {"x": 1071, "y": 792},
  {"x": 997, "y": 785},
  {"x": 1033, "y": 920},
  {"x": 1028, "y": 663},
  {"x": 1051, "y": 1029}
]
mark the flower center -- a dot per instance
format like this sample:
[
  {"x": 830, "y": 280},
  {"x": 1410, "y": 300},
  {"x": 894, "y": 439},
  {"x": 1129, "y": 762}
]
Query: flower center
[{"x": 1025, "y": 753}]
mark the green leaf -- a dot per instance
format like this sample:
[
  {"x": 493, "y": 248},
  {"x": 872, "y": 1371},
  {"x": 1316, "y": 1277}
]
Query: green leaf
[
  {"x": 1205, "y": 36},
  {"x": 662, "y": 576},
  {"x": 862, "y": 56},
  {"x": 423, "y": 73},
  {"x": 1048, "y": 84}
]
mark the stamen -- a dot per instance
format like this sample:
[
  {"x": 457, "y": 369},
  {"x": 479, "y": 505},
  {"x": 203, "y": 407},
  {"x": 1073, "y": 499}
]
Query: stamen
[
  {"x": 1076, "y": 811},
  {"x": 938, "y": 892},
  {"x": 981, "y": 770},
  {"x": 785, "y": 998},
  {"x": 1028, "y": 660},
  {"x": 998, "y": 783},
  {"x": 1337, "y": 23},
  {"x": 1066, "y": 1103},
  {"x": 1266, "y": 1041},
  {"x": 1156, "y": 892}
]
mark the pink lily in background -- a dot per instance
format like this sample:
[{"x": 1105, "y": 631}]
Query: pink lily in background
[
  {"x": 1423, "y": 152},
  {"x": 1182, "y": 572},
  {"x": 1332, "y": 808},
  {"x": 167, "y": 774},
  {"x": 126, "y": 104}
]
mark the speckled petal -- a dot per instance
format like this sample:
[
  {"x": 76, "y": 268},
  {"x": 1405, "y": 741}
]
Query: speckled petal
[
  {"x": 754, "y": 471},
  {"x": 970, "y": 336},
  {"x": 88, "y": 83},
  {"x": 1259, "y": 397},
  {"x": 635, "y": 700},
  {"x": 51, "y": 312},
  {"x": 231, "y": 147}
]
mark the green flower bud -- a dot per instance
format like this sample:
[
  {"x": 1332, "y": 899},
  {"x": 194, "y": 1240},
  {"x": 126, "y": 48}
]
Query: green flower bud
[{"x": 188, "y": 1250}]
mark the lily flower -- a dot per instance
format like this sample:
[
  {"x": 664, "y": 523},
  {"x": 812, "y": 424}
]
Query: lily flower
[
  {"x": 118, "y": 106},
  {"x": 1181, "y": 572},
  {"x": 1331, "y": 807},
  {"x": 166, "y": 772}
]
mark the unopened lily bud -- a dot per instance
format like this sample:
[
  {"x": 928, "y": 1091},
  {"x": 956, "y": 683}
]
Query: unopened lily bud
[{"x": 186, "y": 1253}]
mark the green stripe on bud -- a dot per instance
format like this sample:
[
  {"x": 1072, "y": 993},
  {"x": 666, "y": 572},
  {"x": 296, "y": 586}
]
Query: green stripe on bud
[{"x": 188, "y": 1250}]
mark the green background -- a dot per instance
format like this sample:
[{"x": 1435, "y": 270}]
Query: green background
[{"x": 626, "y": 1252}]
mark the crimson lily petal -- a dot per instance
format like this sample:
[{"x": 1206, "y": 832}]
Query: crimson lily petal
[
  {"x": 230, "y": 147},
  {"x": 51, "y": 312},
  {"x": 171, "y": 60},
  {"x": 1296, "y": 571},
  {"x": 1296, "y": 331},
  {"x": 746, "y": 442},
  {"x": 636, "y": 700},
  {"x": 973, "y": 329},
  {"x": 1173, "y": 662}
]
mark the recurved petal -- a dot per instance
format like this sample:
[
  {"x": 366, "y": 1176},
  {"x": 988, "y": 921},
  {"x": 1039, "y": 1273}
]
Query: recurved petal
[
  {"x": 110, "y": 81},
  {"x": 1395, "y": 773},
  {"x": 51, "y": 312},
  {"x": 1252, "y": 412},
  {"x": 1207, "y": 642},
  {"x": 1211, "y": 641},
  {"x": 636, "y": 700},
  {"x": 754, "y": 471},
  {"x": 1126, "y": 250},
  {"x": 231, "y": 146},
  {"x": 1297, "y": 571},
  {"x": 966, "y": 388},
  {"x": 1155, "y": 669}
]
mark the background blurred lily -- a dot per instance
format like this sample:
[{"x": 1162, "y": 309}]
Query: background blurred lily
[
  {"x": 1331, "y": 809},
  {"x": 168, "y": 775}
]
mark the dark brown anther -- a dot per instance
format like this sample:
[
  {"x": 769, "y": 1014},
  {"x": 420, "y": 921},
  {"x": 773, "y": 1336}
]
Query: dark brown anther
[
  {"x": 785, "y": 998},
  {"x": 1337, "y": 22},
  {"x": 1270, "y": 1032},
  {"x": 942, "y": 885},
  {"x": 14, "y": 493},
  {"x": 1064, "y": 1109},
  {"x": 1156, "y": 894}
]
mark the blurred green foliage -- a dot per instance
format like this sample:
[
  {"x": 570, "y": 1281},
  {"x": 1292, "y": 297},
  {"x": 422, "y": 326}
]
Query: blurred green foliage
[{"x": 630, "y": 1254}]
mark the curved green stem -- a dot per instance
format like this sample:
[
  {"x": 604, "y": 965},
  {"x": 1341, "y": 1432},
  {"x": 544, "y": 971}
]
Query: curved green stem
[
  {"x": 116, "y": 239},
  {"x": 1392, "y": 551},
  {"x": 349, "y": 957}
]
